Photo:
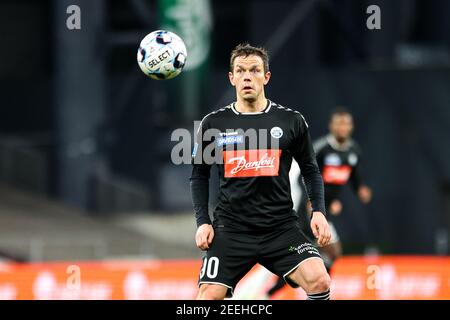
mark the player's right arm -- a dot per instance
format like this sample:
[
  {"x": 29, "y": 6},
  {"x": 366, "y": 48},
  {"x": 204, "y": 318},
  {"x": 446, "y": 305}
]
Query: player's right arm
[
  {"x": 319, "y": 150},
  {"x": 199, "y": 184}
]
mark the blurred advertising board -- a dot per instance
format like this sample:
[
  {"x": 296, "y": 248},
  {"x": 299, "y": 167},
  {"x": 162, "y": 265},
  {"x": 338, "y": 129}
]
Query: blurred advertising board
[{"x": 353, "y": 278}]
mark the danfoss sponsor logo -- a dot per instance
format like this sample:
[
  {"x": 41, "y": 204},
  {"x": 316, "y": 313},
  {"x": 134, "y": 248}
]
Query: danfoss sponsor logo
[
  {"x": 336, "y": 174},
  {"x": 252, "y": 163},
  {"x": 242, "y": 164}
]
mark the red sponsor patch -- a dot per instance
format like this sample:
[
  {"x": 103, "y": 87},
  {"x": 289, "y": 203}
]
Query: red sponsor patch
[
  {"x": 251, "y": 163},
  {"x": 336, "y": 174}
]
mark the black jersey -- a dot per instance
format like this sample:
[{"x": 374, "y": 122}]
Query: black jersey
[
  {"x": 339, "y": 165},
  {"x": 253, "y": 153}
]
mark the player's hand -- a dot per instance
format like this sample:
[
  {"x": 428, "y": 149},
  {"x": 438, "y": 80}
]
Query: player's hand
[
  {"x": 365, "y": 194},
  {"x": 335, "y": 207},
  {"x": 320, "y": 228},
  {"x": 204, "y": 236}
]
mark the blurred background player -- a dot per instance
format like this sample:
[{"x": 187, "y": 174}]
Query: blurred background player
[{"x": 338, "y": 157}]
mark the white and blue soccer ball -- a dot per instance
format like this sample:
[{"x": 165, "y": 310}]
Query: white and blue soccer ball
[{"x": 162, "y": 55}]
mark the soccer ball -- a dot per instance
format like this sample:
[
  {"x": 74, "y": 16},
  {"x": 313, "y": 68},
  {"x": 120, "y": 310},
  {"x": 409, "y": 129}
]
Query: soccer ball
[{"x": 161, "y": 55}]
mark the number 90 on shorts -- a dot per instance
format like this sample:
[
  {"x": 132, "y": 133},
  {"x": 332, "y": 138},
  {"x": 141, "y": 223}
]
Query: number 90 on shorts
[{"x": 210, "y": 266}]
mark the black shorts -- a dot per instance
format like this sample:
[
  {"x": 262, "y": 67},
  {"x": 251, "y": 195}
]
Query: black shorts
[{"x": 233, "y": 254}]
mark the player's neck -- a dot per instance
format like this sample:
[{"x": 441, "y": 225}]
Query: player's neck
[
  {"x": 339, "y": 143},
  {"x": 245, "y": 106}
]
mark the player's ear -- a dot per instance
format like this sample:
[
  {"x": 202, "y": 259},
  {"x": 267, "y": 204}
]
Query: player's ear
[
  {"x": 267, "y": 77},
  {"x": 231, "y": 77}
]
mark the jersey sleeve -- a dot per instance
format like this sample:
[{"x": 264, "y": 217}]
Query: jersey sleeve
[
  {"x": 304, "y": 154},
  {"x": 199, "y": 180},
  {"x": 319, "y": 147}
]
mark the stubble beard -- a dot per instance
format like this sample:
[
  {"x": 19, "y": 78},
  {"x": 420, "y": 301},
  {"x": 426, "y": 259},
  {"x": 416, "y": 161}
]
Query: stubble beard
[{"x": 250, "y": 99}]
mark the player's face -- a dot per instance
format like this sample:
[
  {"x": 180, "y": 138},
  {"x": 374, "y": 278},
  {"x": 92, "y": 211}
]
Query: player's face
[
  {"x": 249, "y": 77},
  {"x": 341, "y": 126}
]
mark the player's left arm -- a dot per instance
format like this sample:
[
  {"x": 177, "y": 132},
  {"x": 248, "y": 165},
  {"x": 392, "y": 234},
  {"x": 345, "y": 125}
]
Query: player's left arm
[
  {"x": 303, "y": 153},
  {"x": 356, "y": 180}
]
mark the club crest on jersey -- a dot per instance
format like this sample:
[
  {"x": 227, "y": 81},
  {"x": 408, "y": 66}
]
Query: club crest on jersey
[
  {"x": 276, "y": 132},
  {"x": 352, "y": 159}
]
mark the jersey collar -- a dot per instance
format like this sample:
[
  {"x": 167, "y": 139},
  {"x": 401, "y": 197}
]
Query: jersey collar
[
  {"x": 337, "y": 146},
  {"x": 265, "y": 110}
]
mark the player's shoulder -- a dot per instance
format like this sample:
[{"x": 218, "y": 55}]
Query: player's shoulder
[
  {"x": 216, "y": 114},
  {"x": 288, "y": 112},
  {"x": 284, "y": 109},
  {"x": 354, "y": 146},
  {"x": 321, "y": 143}
]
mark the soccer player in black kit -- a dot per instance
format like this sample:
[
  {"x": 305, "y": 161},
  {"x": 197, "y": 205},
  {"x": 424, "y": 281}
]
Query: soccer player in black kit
[
  {"x": 339, "y": 158},
  {"x": 254, "y": 221}
]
